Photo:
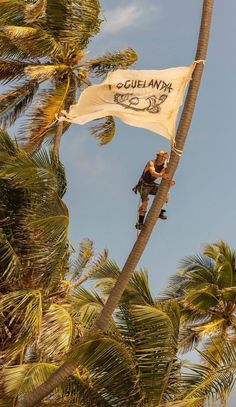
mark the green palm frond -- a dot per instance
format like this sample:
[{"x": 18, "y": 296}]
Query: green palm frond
[
  {"x": 73, "y": 23},
  {"x": 220, "y": 249},
  {"x": 36, "y": 11},
  {"x": 7, "y": 145},
  {"x": 22, "y": 37},
  {"x": 34, "y": 172},
  {"x": 106, "y": 361},
  {"x": 138, "y": 291},
  {"x": 21, "y": 380},
  {"x": 100, "y": 66},
  {"x": 155, "y": 350},
  {"x": 42, "y": 118},
  {"x": 153, "y": 336},
  {"x": 22, "y": 311},
  {"x": 87, "y": 305},
  {"x": 11, "y": 70},
  {"x": 48, "y": 234},
  {"x": 203, "y": 299},
  {"x": 51, "y": 226},
  {"x": 10, "y": 263},
  {"x": 57, "y": 330},
  {"x": 214, "y": 381},
  {"x": 16, "y": 101},
  {"x": 10, "y": 51},
  {"x": 104, "y": 132}
]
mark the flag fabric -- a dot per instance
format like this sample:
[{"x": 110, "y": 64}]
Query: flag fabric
[{"x": 143, "y": 98}]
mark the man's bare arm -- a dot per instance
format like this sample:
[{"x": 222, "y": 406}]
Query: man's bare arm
[{"x": 152, "y": 170}]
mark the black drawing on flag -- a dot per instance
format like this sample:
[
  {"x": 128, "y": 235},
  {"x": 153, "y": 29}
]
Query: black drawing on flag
[{"x": 150, "y": 104}]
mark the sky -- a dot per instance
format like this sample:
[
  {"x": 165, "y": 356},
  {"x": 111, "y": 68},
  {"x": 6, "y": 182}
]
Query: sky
[
  {"x": 100, "y": 179},
  {"x": 202, "y": 206}
]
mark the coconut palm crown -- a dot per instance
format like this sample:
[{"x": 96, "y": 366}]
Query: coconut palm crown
[
  {"x": 133, "y": 363},
  {"x": 205, "y": 286},
  {"x": 42, "y": 50}
]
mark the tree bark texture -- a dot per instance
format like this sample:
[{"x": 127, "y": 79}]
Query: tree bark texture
[{"x": 100, "y": 324}]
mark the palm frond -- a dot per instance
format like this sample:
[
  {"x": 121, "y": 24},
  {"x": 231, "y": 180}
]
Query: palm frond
[
  {"x": 100, "y": 66},
  {"x": 106, "y": 361},
  {"x": 12, "y": 11},
  {"x": 21, "y": 380},
  {"x": 137, "y": 291},
  {"x": 44, "y": 72},
  {"x": 7, "y": 145},
  {"x": 10, "y": 263},
  {"x": 73, "y": 24},
  {"x": 203, "y": 299},
  {"x": 41, "y": 120},
  {"x": 22, "y": 312},
  {"x": 104, "y": 132},
  {"x": 154, "y": 341},
  {"x": 93, "y": 268},
  {"x": 87, "y": 305},
  {"x": 10, "y": 51},
  {"x": 57, "y": 330},
  {"x": 11, "y": 70},
  {"x": 214, "y": 381},
  {"x": 23, "y": 38},
  {"x": 36, "y": 11},
  {"x": 33, "y": 172},
  {"x": 16, "y": 101},
  {"x": 86, "y": 252}
]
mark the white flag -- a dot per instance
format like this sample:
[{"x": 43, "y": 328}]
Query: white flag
[{"x": 148, "y": 99}]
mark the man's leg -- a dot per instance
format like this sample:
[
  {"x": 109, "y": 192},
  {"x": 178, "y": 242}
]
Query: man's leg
[{"x": 142, "y": 211}]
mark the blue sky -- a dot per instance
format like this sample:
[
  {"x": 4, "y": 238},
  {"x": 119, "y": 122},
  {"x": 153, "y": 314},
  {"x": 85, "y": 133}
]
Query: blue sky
[
  {"x": 202, "y": 204},
  {"x": 100, "y": 179}
]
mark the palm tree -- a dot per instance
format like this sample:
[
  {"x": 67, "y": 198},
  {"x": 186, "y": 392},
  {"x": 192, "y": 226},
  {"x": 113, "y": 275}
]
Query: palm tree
[
  {"x": 133, "y": 363},
  {"x": 42, "y": 44},
  {"x": 34, "y": 246},
  {"x": 205, "y": 287},
  {"x": 103, "y": 319}
]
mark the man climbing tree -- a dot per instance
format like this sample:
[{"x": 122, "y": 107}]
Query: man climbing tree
[{"x": 146, "y": 186}]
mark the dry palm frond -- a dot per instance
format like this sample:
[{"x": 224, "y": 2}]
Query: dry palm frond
[
  {"x": 36, "y": 11},
  {"x": 86, "y": 252},
  {"x": 104, "y": 132},
  {"x": 15, "y": 101},
  {"x": 93, "y": 268},
  {"x": 100, "y": 66},
  {"x": 44, "y": 72},
  {"x": 12, "y": 11},
  {"x": 24, "y": 37},
  {"x": 42, "y": 118},
  {"x": 11, "y": 70}
]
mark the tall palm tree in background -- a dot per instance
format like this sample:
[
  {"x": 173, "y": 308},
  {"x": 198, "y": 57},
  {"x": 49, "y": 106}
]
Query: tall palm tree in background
[
  {"x": 42, "y": 45},
  {"x": 205, "y": 287},
  {"x": 103, "y": 319}
]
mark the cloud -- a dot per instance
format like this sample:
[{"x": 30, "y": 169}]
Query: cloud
[{"x": 123, "y": 17}]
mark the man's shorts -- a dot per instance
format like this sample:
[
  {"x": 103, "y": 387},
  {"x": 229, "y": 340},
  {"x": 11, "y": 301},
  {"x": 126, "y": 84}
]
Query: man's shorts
[{"x": 147, "y": 189}]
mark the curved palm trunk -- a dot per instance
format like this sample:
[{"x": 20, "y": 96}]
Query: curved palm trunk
[
  {"x": 57, "y": 140},
  {"x": 68, "y": 367}
]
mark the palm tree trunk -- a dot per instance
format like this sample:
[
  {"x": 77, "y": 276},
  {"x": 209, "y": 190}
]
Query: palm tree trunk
[
  {"x": 100, "y": 324},
  {"x": 57, "y": 140}
]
